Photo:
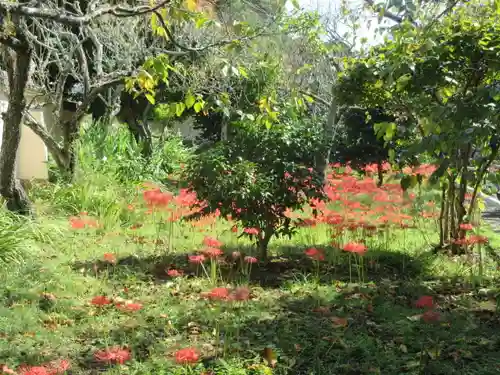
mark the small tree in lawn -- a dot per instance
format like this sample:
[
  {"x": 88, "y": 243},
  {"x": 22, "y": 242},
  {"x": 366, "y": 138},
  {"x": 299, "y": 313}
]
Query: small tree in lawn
[{"x": 258, "y": 176}]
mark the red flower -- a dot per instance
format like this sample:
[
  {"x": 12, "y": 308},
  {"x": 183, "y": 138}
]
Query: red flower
[
  {"x": 174, "y": 273},
  {"x": 110, "y": 258},
  {"x": 129, "y": 306},
  {"x": 466, "y": 226},
  {"x": 100, "y": 301},
  {"x": 249, "y": 259},
  {"x": 218, "y": 294},
  {"x": 355, "y": 247},
  {"x": 186, "y": 356},
  {"x": 251, "y": 231},
  {"x": 33, "y": 370},
  {"x": 234, "y": 228},
  {"x": 476, "y": 239},
  {"x": 314, "y": 254},
  {"x": 431, "y": 316},
  {"x": 212, "y": 252},
  {"x": 76, "y": 223},
  {"x": 113, "y": 354},
  {"x": 425, "y": 302},
  {"x": 211, "y": 242},
  {"x": 196, "y": 259}
]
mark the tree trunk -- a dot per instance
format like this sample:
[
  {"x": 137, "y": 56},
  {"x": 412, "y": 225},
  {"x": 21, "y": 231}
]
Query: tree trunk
[
  {"x": 322, "y": 157},
  {"x": 17, "y": 64},
  {"x": 264, "y": 243},
  {"x": 442, "y": 217},
  {"x": 380, "y": 172}
]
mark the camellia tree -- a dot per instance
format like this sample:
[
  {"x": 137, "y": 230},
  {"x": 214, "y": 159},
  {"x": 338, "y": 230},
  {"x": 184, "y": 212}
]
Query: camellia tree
[{"x": 443, "y": 76}]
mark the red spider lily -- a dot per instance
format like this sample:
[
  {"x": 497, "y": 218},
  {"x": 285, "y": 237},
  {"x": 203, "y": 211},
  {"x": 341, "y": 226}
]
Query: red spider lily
[
  {"x": 234, "y": 229},
  {"x": 241, "y": 293},
  {"x": 135, "y": 226},
  {"x": 76, "y": 223},
  {"x": 174, "y": 273},
  {"x": 51, "y": 368},
  {"x": 431, "y": 316},
  {"x": 110, "y": 258},
  {"x": 130, "y": 207},
  {"x": 100, "y": 301},
  {"x": 251, "y": 231},
  {"x": 187, "y": 356},
  {"x": 196, "y": 259},
  {"x": 218, "y": 294},
  {"x": 33, "y": 370},
  {"x": 425, "y": 302},
  {"x": 212, "y": 252},
  {"x": 250, "y": 260},
  {"x": 466, "y": 226},
  {"x": 314, "y": 253},
  {"x": 129, "y": 306},
  {"x": 355, "y": 247},
  {"x": 113, "y": 355},
  {"x": 477, "y": 239},
  {"x": 211, "y": 242}
]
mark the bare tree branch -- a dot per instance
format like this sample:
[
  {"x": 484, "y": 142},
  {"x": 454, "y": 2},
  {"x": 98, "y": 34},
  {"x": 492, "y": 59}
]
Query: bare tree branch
[
  {"x": 386, "y": 13},
  {"x": 72, "y": 19}
]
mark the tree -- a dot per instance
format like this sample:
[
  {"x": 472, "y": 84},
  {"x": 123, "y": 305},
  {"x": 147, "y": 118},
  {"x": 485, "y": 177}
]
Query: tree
[
  {"x": 18, "y": 48},
  {"x": 443, "y": 75}
]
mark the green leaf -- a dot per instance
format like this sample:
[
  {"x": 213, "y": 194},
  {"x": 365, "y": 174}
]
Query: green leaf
[
  {"x": 308, "y": 98},
  {"x": 402, "y": 82},
  {"x": 295, "y": 4},
  {"x": 189, "y": 100},
  {"x": 179, "y": 109},
  {"x": 150, "y": 98},
  {"x": 198, "y": 107},
  {"x": 243, "y": 72}
]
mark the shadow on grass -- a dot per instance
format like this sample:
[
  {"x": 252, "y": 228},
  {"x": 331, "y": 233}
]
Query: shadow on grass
[
  {"x": 277, "y": 271},
  {"x": 346, "y": 329}
]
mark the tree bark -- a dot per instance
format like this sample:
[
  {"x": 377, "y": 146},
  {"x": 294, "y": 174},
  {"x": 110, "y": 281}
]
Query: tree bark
[
  {"x": 18, "y": 66},
  {"x": 264, "y": 243},
  {"x": 322, "y": 157}
]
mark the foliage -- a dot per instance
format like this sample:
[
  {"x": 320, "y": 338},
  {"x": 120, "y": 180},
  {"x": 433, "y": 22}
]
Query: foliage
[
  {"x": 14, "y": 233},
  {"x": 444, "y": 78},
  {"x": 259, "y": 175},
  {"x": 111, "y": 151}
]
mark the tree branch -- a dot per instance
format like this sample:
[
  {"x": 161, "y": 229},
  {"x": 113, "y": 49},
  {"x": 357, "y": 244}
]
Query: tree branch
[
  {"x": 386, "y": 13},
  {"x": 71, "y": 19}
]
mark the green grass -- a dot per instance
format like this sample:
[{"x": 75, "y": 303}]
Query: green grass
[{"x": 314, "y": 323}]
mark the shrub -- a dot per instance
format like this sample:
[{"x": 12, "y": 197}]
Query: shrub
[{"x": 257, "y": 176}]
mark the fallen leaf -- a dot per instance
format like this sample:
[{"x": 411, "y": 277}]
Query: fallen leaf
[
  {"x": 415, "y": 318},
  {"x": 270, "y": 357},
  {"x": 338, "y": 322}
]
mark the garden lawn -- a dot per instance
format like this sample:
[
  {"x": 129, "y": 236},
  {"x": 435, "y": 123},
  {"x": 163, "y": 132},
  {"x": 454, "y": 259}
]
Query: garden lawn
[{"x": 117, "y": 294}]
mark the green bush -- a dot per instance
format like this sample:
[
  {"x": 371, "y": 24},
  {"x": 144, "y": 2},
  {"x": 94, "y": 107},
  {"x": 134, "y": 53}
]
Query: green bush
[
  {"x": 112, "y": 151},
  {"x": 257, "y": 175}
]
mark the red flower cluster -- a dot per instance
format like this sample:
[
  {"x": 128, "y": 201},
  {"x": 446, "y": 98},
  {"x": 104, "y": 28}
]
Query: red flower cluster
[
  {"x": 315, "y": 254},
  {"x": 355, "y": 247},
  {"x": 113, "y": 355},
  {"x": 122, "y": 305},
  {"x": 187, "y": 356},
  {"x": 430, "y": 315},
  {"x": 82, "y": 221},
  {"x": 51, "y": 368},
  {"x": 224, "y": 294}
]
